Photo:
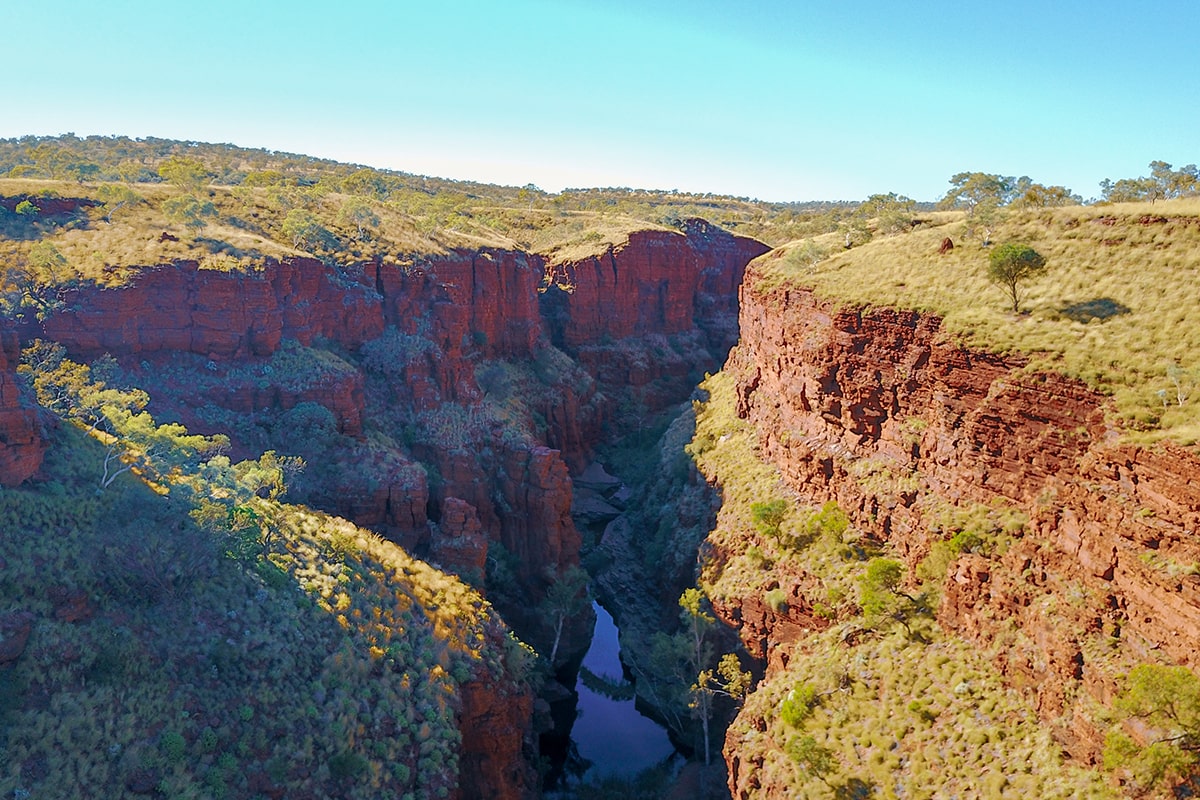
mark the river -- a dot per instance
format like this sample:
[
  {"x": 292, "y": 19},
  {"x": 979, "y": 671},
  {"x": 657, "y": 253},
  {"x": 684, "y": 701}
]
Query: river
[{"x": 612, "y": 734}]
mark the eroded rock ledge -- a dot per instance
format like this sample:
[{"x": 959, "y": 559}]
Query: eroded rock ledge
[{"x": 882, "y": 412}]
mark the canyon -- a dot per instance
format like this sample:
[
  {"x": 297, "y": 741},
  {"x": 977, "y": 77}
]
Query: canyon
[
  {"x": 405, "y": 362},
  {"x": 464, "y": 391}
]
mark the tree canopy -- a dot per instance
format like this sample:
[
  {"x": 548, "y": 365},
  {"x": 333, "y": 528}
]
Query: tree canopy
[
  {"x": 1011, "y": 264},
  {"x": 1167, "y": 700}
]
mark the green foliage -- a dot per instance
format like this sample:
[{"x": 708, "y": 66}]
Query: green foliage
[
  {"x": 116, "y": 196},
  {"x": 776, "y": 600},
  {"x": 188, "y": 174},
  {"x": 347, "y": 765},
  {"x": 1011, "y": 265},
  {"x": 173, "y": 746},
  {"x": 566, "y": 598},
  {"x": 1167, "y": 701},
  {"x": 890, "y": 213},
  {"x": 188, "y": 210},
  {"x": 768, "y": 516},
  {"x": 798, "y": 705},
  {"x": 47, "y": 263},
  {"x": 816, "y": 760},
  {"x": 27, "y": 209},
  {"x": 305, "y": 231},
  {"x": 974, "y": 191},
  {"x": 829, "y": 523},
  {"x": 1164, "y": 183},
  {"x": 358, "y": 212}
]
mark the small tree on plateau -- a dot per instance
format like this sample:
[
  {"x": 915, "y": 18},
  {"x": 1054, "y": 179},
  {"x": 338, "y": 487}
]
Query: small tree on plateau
[{"x": 1012, "y": 264}]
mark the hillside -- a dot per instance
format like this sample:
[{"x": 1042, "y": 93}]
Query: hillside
[
  {"x": 1019, "y": 475},
  {"x": 428, "y": 379},
  {"x": 302, "y": 460}
]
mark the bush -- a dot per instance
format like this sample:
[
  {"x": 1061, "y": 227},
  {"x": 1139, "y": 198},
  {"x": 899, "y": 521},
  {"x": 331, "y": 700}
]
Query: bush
[
  {"x": 798, "y": 705},
  {"x": 769, "y": 516},
  {"x": 777, "y": 600},
  {"x": 173, "y": 746},
  {"x": 1011, "y": 265},
  {"x": 347, "y": 765}
]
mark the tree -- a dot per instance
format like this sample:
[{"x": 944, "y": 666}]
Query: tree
[
  {"x": 1167, "y": 700},
  {"x": 186, "y": 173},
  {"x": 814, "y": 759},
  {"x": 188, "y": 210},
  {"x": 1010, "y": 265},
  {"x": 47, "y": 263},
  {"x": 358, "y": 212},
  {"x": 728, "y": 679},
  {"x": 1163, "y": 183},
  {"x": 305, "y": 230},
  {"x": 366, "y": 182},
  {"x": 972, "y": 190},
  {"x": 891, "y": 213},
  {"x": 1038, "y": 196},
  {"x": 566, "y": 598},
  {"x": 116, "y": 196},
  {"x": 879, "y": 585}
]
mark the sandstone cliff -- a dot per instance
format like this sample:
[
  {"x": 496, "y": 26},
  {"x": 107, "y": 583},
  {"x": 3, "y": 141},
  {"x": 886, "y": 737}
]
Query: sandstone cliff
[
  {"x": 879, "y": 411},
  {"x": 21, "y": 444},
  {"x": 647, "y": 318}
]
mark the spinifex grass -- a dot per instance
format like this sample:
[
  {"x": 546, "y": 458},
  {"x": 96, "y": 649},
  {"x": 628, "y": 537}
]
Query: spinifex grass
[{"x": 1116, "y": 306}]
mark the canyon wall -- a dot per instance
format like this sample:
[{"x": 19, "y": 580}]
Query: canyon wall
[
  {"x": 199, "y": 340},
  {"x": 649, "y": 317},
  {"x": 880, "y": 411},
  {"x": 21, "y": 443}
]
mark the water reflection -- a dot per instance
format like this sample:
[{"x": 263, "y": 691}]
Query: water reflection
[{"x": 612, "y": 734}]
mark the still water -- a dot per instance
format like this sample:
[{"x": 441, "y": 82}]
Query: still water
[{"x": 612, "y": 734}]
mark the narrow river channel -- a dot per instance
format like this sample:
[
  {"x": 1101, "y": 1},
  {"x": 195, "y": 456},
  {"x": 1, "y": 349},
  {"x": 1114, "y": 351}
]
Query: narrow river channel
[{"x": 612, "y": 734}]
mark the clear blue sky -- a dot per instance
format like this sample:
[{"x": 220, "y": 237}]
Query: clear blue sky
[{"x": 780, "y": 100}]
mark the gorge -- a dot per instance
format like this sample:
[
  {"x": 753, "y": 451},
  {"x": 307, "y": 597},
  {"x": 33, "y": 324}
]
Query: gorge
[{"x": 457, "y": 402}]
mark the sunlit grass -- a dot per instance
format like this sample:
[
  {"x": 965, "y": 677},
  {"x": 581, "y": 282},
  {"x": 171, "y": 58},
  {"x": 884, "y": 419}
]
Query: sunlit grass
[{"x": 1140, "y": 261}]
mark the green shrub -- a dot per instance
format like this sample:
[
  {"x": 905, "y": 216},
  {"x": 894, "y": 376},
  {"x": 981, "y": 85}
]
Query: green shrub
[
  {"x": 798, "y": 705},
  {"x": 777, "y": 600},
  {"x": 173, "y": 746},
  {"x": 769, "y": 516},
  {"x": 347, "y": 765}
]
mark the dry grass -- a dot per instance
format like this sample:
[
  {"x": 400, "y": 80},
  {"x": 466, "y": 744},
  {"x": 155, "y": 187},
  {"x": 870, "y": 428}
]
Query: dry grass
[
  {"x": 583, "y": 234},
  {"x": 1138, "y": 262}
]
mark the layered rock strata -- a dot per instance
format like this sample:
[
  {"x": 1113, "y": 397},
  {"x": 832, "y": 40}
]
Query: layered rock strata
[{"x": 882, "y": 412}]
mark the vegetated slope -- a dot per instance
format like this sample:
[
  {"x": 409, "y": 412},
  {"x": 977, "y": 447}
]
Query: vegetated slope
[
  {"x": 439, "y": 380},
  {"x": 433, "y": 208},
  {"x": 1114, "y": 308},
  {"x": 141, "y": 657},
  {"x": 883, "y": 468}
]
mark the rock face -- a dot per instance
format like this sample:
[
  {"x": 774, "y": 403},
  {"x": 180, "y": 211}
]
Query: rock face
[
  {"x": 876, "y": 410},
  {"x": 649, "y": 317},
  {"x": 641, "y": 322},
  {"x": 21, "y": 444}
]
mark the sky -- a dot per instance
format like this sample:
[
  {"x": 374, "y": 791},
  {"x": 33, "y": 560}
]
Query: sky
[{"x": 782, "y": 100}]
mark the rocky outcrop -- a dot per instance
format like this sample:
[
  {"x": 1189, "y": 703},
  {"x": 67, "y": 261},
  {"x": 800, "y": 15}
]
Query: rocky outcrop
[
  {"x": 647, "y": 318},
  {"x": 21, "y": 445},
  {"x": 879, "y": 411},
  {"x": 497, "y": 756},
  {"x": 657, "y": 282}
]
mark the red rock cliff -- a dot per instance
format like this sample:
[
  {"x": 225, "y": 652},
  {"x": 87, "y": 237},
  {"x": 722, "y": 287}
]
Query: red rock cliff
[
  {"x": 847, "y": 401},
  {"x": 21, "y": 444},
  {"x": 657, "y": 282},
  {"x": 648, "y": 317}
]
